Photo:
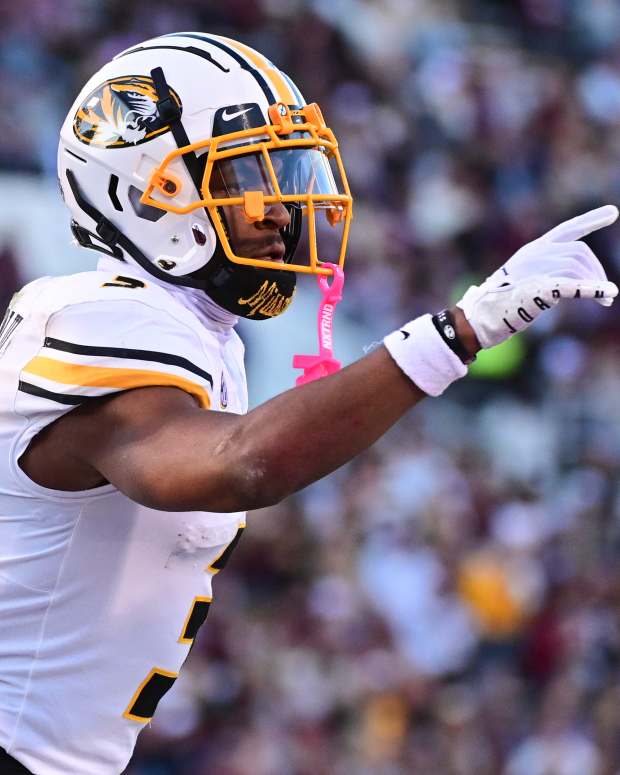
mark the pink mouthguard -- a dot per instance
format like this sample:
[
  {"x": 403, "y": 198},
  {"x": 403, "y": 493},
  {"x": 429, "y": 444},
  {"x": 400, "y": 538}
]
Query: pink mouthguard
[{"x": 317, "y": 366}]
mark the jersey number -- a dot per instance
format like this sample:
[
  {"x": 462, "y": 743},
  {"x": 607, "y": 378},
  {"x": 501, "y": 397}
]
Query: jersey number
[
  {"x": 124, "y": 282},
  {"x": 144, "y": 702}
]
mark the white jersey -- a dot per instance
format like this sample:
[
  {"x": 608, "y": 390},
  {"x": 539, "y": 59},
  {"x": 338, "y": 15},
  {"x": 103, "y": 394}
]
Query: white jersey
[{"x": 100, "y": 598}]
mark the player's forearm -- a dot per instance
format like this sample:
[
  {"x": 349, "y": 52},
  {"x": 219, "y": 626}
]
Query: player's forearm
[
  {"x": 292, "y": 440},
  {"x": 215, "y": 461},
  {"x": 306, "y": 433}
]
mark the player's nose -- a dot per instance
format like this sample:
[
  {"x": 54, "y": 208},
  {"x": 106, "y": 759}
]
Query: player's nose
[{"x": 276, "y": 215}]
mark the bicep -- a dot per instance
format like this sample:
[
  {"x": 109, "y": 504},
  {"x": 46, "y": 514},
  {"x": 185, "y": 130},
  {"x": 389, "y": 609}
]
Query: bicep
[{"x": 159, "y": 448}]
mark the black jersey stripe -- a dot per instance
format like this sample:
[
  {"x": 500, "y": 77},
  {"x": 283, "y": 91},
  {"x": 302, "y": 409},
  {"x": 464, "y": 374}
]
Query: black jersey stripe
[
  {"x": 125, "y": 352},
  {"x": 268, "y": 92},
  {"x": 60, "y": 398}
]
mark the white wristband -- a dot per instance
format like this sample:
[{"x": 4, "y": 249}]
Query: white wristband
[{"x": 426, "y": 359}]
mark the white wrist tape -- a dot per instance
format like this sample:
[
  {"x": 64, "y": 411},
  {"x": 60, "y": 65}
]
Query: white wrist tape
[{"x": 426, "y": 359}]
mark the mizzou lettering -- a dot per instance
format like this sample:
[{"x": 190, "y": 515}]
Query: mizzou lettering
[{"x": 267, "y": 301}]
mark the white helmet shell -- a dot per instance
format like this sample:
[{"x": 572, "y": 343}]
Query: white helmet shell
[{"x": 113, "y": 160}]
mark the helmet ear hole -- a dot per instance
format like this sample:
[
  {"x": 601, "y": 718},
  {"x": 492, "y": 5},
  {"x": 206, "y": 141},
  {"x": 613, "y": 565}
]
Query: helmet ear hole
[{"x": 147, "y": 212}]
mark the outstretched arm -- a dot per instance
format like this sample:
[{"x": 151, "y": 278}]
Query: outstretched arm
[{"x": 159, "y": 448}]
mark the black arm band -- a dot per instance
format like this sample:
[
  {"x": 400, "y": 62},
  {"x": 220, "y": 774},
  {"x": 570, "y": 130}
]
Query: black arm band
[{"x": 445, "y": 325}]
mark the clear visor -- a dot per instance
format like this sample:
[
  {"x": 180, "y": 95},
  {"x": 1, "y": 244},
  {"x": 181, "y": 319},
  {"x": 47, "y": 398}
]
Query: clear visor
[
  {"x": 261, "y": 174},
  {"x": 297, "y": 171}
]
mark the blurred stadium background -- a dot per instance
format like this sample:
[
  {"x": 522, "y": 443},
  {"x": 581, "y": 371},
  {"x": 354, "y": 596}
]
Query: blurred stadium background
[{"x": 449, "y": 602}]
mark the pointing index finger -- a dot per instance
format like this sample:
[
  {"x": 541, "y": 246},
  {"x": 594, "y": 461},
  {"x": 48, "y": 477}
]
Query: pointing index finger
[{"x": 583, "y": 224}]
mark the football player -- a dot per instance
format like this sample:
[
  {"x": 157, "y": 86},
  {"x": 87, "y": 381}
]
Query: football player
[{"x": 128, "y": 456}]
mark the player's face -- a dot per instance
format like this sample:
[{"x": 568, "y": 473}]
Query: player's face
[{"x": 260, "y": 239}]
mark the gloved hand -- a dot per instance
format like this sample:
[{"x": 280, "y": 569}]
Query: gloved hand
[{"x": 553, "y": 267}]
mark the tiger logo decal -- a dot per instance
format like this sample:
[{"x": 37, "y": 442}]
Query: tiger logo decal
[{"x": 121, "y": 112}]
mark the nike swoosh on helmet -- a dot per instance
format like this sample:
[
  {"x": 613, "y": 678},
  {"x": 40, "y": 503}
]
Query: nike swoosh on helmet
[{"x": 229, "y": 116}]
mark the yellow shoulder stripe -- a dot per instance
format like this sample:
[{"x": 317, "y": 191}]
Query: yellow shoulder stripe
[
  {"x": 122, "y": 379},
  {"x": 285, "y": 94}
]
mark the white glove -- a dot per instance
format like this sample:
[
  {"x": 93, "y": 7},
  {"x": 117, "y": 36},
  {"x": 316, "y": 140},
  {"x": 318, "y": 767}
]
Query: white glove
[{"x": 553, "y": 267}]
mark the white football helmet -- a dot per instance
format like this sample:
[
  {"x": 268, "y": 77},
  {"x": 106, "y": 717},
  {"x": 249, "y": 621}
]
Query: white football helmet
[{"x": 172, "y": 132}]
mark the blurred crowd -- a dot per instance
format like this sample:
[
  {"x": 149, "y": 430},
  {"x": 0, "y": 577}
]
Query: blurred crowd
[{"x": 448, "y": 602}]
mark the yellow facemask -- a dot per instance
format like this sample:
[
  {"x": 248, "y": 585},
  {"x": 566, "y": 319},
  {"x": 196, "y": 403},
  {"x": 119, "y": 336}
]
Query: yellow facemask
[{"x": 293, "y": 160}]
